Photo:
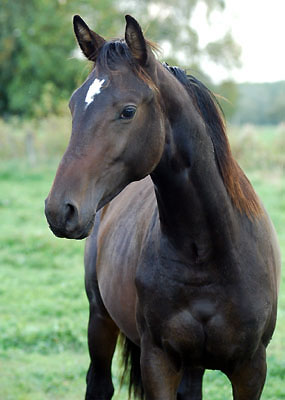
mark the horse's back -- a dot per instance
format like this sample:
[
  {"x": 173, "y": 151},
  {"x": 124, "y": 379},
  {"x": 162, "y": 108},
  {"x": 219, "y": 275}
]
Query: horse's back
[{"x": 114, "y": 249}]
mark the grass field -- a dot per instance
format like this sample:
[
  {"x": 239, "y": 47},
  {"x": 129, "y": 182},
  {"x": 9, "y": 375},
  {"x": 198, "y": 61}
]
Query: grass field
[{"x": 43, "y": 308}]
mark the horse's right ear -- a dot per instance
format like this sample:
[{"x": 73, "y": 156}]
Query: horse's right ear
[
  {"x": 135, "y": 40},
  {"x": 89, "y": 41}
]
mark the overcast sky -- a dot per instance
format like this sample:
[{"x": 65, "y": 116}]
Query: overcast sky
[{"x": 259, "y": 27}]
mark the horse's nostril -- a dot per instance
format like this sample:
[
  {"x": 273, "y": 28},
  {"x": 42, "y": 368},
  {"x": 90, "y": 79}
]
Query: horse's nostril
[
  {"x": 69, "y": 211},
  {"x": 71, "y": 215}
]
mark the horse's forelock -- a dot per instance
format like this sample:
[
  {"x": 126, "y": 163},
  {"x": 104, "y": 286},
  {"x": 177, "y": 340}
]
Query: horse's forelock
[{"x": 116, "y": 52}]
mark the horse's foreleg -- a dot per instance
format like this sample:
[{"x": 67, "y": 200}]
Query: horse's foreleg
[
  {"x": 248, "y": 380},
  {"x": 160, "y": 375},
  {"x": 190, "y": 387},
  {"x": 102, "y": 338}
]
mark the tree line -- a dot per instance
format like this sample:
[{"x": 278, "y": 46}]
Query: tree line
[{"x": 260, "y": 103}]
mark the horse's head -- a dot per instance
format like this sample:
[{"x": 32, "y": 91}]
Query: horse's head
[{"x": 117, "y": 129}]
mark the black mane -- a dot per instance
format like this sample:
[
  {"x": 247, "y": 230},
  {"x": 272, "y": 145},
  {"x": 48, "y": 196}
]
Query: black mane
[
  {"x": 204, "y": 101},
  {"x": 237, "y": 184}
]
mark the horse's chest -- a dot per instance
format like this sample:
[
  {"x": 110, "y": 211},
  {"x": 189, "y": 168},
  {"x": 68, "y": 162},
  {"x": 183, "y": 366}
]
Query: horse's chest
[
  {"x": 176, "y": 305},
  {"x": 197, "y": 318}
]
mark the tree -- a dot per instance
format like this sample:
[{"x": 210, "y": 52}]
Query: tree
[{"x": 38, "y": 69}]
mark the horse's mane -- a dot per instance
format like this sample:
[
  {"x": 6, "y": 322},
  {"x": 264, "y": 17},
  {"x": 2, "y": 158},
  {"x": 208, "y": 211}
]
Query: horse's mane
[
  {"x": 238, "y": 186},
  {"x": 235, "y": 181}
]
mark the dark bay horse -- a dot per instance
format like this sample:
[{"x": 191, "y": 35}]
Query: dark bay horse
[{"x": 181, "y": 256}]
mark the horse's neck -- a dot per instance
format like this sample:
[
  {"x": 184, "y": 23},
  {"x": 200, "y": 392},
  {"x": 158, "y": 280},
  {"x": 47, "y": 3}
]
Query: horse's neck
[{"x": 194, "y": 207}]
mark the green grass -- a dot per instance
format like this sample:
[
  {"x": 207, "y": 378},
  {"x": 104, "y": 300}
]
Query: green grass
[
  {"x": 43, "y": 352},
  {"x": 43, "y": 308}
]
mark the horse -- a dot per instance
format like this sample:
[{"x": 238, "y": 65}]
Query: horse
[{"x": 181, "y": 257}]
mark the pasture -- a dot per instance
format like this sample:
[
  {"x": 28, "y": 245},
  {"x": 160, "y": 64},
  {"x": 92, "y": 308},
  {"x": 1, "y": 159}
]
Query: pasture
[{"x": 43, "y": 307}]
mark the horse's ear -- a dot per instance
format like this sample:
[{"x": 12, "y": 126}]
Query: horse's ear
[
  {"x": 89, "y": 41},
  {"x": 135, "y": 40}
]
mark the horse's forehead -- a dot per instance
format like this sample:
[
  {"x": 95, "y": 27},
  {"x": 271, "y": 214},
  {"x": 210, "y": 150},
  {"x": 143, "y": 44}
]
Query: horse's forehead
[{"x": 120, "y": 83}]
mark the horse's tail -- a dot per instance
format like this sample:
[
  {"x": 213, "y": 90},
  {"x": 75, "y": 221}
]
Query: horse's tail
[{"x": 132, "y": 369}]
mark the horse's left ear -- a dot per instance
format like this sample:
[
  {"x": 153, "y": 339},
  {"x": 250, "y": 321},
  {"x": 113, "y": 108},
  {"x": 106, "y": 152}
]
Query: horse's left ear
[
  {"x": 89, "y": 41},
  {"x": 135, "y": 40}
]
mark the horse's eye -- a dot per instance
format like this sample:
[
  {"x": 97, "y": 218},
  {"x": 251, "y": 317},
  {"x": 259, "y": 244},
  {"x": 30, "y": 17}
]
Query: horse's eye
[{"x": 128, "y": 112}]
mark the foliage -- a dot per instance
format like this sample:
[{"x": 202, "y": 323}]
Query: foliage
[
  {"x": 38, "y": 69},
  {"x": 43, "y": 307},
  {"x": 35, "y": 64},
  {"x": 38, "y": 66}
]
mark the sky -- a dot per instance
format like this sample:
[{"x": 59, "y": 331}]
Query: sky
[{"x": 259, "y": 27}]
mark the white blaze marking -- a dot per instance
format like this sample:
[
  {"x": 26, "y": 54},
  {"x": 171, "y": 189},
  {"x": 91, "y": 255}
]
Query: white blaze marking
[{"x": 94, "y": 89}]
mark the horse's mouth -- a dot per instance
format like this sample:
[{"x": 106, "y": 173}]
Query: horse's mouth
[{"x": 77, "y": 234}]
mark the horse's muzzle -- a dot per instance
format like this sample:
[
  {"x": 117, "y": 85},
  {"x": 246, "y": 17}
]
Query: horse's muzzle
[{"x": 64, "y": 220}]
